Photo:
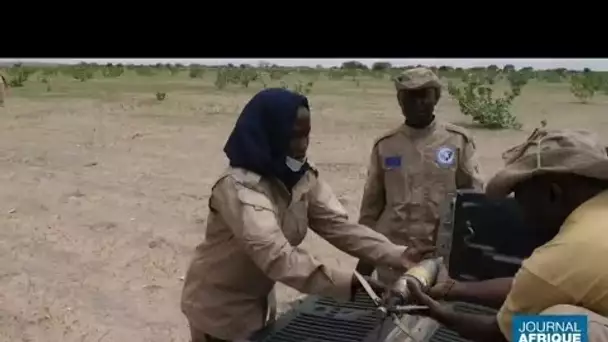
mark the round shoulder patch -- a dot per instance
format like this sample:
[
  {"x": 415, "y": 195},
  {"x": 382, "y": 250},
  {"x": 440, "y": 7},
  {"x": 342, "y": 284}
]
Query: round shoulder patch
[{"x": 445, "y": 156}]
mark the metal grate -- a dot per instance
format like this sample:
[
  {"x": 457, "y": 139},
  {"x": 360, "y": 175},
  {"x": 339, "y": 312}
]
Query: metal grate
[
  {"x": 327, "y": 320},
  {"x": 311, "y": 328},
  {"x": 361, "y": 302}
]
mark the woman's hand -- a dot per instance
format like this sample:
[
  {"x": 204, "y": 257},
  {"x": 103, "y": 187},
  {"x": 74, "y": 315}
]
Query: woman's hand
[{"x": 415, "y": 253}]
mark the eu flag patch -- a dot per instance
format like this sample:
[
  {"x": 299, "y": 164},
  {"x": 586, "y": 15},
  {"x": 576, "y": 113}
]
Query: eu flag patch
[{"x": 393, "y": 162}]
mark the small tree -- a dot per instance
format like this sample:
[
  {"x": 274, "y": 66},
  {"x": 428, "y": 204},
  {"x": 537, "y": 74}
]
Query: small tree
[
  {"x": 518, "y": 79},
  {"x": 584, "y": 85},
  {"x": 381, "y": 66},
  {"x": 82, "y": 72},
  {"x": 354, "y": 65},
  {"x": 221, "y": 79}
]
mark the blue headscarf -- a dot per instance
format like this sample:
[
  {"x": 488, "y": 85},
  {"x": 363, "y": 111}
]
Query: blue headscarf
[{"x": 260, "y": 139}]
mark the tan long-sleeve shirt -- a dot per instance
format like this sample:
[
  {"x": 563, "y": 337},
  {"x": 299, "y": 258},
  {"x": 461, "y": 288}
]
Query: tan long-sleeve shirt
[{"x": 253, "y": 232}]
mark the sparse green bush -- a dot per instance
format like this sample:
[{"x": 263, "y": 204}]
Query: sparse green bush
[
  {"x": 18, "y": 75},
  {"x": 46, "y": 79},
  {"x": 194, "y": 71},
  {"x": 221, "y": 79},
  {"x": 50, "y": 71},
  {"x": 246, "y": 76},
  {"x": 583, "y": 85},
  {"x": 242, "y": 76},
  {"x": 476, "y": 99},
  {"x": 160, "y": 96},
  {"x": 173, "y": 70},
  {"x": 303, "y": 88},
  {"x": 299, "y": 86},
  {"x": 113, "y": 71},
  {"x": 82, "y": 72}
]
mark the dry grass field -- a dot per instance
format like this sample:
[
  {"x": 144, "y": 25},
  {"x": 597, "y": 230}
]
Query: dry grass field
[{"x": 103, "y": 190}]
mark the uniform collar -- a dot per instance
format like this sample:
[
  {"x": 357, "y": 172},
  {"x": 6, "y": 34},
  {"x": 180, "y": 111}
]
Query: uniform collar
[
  {"x": 303, "y": 186},
  {"x": 419, "y": 132}
]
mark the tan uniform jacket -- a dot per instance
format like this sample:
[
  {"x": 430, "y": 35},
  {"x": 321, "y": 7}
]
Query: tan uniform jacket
[
  {"x": 253, "y": 232},
  {"x": 410, "y": 173}
]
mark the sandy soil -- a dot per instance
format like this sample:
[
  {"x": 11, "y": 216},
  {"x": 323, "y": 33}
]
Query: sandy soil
[{"x": 102, "y": 200}]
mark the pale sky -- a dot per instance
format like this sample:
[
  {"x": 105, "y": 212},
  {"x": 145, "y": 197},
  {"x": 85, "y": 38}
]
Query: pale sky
[{"x": 599, "y": 64}]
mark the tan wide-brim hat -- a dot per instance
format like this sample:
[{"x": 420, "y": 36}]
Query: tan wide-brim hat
[{"x": 576, "y": 152}]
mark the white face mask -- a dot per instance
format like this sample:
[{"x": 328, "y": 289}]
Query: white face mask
[{"x": 294, "y": 164}]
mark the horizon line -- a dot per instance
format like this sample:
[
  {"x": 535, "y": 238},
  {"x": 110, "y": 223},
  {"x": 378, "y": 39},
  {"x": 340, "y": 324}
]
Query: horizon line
[{"x": 596, "y": 64}]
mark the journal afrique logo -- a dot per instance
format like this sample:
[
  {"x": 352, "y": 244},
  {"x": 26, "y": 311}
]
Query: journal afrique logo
[{"x": 545, "y": 328}]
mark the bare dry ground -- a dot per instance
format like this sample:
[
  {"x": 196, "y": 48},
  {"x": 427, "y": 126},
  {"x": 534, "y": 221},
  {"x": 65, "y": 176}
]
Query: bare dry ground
[{"x": 103, "y": 191}]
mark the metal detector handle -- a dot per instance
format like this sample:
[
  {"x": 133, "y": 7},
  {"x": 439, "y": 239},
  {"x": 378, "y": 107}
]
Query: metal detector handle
[
  {"x": 368, "y": 289},
  {"x": 365, "y": 268}
]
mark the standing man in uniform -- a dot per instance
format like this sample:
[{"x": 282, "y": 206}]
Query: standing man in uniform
[{"x": 414, "y": 167}]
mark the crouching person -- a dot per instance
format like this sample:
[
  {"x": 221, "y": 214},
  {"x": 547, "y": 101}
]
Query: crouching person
[
  {"x": 260, "y": 211},
  {"x": 560, "y": 180}
]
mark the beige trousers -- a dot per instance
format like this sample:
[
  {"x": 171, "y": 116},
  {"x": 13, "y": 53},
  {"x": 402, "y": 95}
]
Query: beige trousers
[{"x": 271, "y": 312}]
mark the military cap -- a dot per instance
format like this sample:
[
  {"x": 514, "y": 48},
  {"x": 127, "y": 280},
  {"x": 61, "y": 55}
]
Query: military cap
[{"x": 417, "y": 78}]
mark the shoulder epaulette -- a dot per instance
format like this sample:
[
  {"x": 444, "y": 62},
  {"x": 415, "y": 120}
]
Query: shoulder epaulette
[
  {"x": 242, "y": 176},
  {"x": 386, "y": 135},
  {"x": 459, "y": 130}
]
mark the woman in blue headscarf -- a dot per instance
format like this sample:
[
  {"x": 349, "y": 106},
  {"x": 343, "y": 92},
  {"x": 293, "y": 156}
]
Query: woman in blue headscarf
[{"x": 260, "y": 211}]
